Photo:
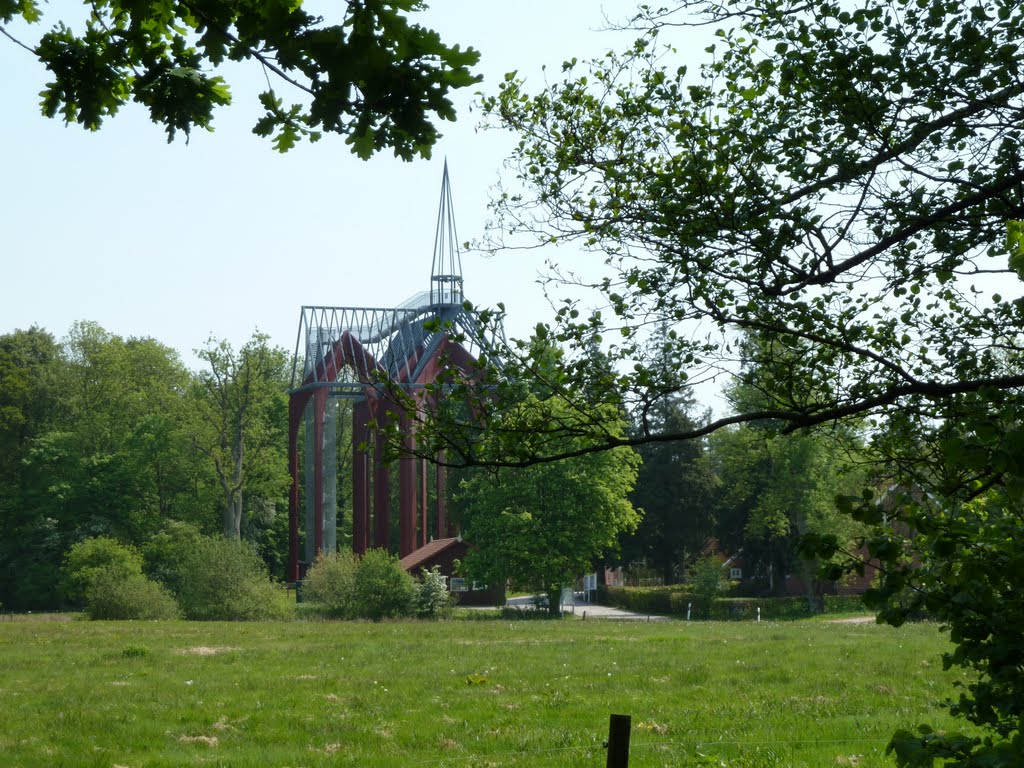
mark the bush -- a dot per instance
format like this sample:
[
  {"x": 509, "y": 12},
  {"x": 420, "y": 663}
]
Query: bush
[
  {"x": 675, "y": 600},
  {"x": 642, "y": 599},
  {"x": 382, "y": 587},
  {"x": 107, "y": 576},
  {"x": 112, "y": 596},
  {"x": 100, "y": 557},
  {"x": 225, "y": 580},
  {"x": 433, "y": 600},
  {"x": 772, "y": 608},
  {"x": 845, "y": 604},
  {"x": 708, "y": 582},
  {"x": 163, "y": 554},
  {"x": 330, "y": 583}
]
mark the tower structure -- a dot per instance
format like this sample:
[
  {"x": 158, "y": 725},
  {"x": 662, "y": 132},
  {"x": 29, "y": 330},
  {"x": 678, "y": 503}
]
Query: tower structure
[{"x": 362, "y": 355}]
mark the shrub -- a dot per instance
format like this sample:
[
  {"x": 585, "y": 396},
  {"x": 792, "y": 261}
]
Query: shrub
[
  {"x": 382, "y": 587},
  {"x": 642, "y": 599},
  {"x": 225, "y": 580},
  {"x": 113, "y": 596},
  {"x": 677, "y": 599},
  {"x": 107, "y": 577},
  {"x": 844, "y": 604},
  {"x": 330, "y": 583},
  {"x": 433, "y": 600},
  {"x": 92, "y": 559},
  {"x": 163, "y": 554},
  {"x": 772, "y": 608},
  {"x": 708, "y": 581}
]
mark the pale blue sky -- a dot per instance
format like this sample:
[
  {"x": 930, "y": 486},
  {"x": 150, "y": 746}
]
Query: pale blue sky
[{"x": 225, "y": 235}]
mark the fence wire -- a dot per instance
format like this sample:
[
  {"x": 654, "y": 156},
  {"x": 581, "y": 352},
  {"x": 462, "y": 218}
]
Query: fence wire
[{"x": 696, "y": 746}]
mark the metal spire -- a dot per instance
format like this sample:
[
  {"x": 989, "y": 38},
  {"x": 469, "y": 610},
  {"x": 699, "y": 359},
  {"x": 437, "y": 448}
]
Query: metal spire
[{"x": 446, "y": 270}]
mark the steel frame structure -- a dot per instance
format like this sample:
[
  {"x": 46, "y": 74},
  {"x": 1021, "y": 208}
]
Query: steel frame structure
[{"x": 362, "y": 354}]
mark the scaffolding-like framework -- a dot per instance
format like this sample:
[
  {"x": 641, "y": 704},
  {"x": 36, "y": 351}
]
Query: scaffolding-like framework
[{"x": 361, "y": 354}]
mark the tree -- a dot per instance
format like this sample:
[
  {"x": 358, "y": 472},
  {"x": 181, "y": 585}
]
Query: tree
[
  {"x": 241, "y": 412},
  {"x": 840, "y": 178},
  {"x": 843, "y": 179},
  {"x": 773, "y": 490},
  {"x": 28, "y": 399},
  {"x": 543, "y": 525},
  {"x": 674, "y": 488},
  {"x": 372, "y": 76},
  {"x": 93, "y": 445},
  {"x": 114, "y": 460}
]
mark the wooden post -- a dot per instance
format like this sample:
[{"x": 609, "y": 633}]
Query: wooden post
[{"x": 618, "y": 741}]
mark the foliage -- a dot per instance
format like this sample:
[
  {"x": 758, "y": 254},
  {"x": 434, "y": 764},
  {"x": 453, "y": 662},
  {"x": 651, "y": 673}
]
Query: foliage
[
  {"x": 107, "y": 577},
  {"x": 844, "y": 604},
  {"x": 92, "y": 559},
  {"x": 330, "y": 582},
  {"x": 164, "y": 552},
  {"x": 106, "y": 436},
  {"x": 708, "y": 580},
  {"x": 774, "y": 489},
  {"x": 543, "y": 525},
  {"x": 844, "y": 181},
  {"x": 838, "y": 179},
  {"x": 225, "y": 580},
  {"x": 433, "y": 600},
  {"x": 963, "y": 566},
  {"x": 114, "y": 596},
  {"x": 382, "y": 588},
  {"x": 374, "y": 586},
  {"x": 645, "y": 599},
  {"x": 372, "y": 76},
  {"x": 677, "y": 600},
  {"x": 240, "y": 424},
  {"x": 674, "y": 487}
]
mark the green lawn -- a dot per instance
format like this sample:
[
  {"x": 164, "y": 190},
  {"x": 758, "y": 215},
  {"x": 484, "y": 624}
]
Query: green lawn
[{"x": 461, "y": 693}]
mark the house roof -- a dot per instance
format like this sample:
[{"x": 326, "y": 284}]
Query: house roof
[{"x": 414, "y": 560}]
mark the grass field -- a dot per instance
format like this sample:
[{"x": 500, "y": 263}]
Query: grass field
[{"x": 461, "y": 693}]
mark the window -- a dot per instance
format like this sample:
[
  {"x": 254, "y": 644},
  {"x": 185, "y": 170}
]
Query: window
[
  {"x": 735, "y": 573},
  {"x": 456, "y": 584}
]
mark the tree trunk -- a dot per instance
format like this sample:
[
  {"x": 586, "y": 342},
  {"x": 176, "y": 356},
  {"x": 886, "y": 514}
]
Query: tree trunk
[
  {"x": 232, "y": 516},
  {"x": 555, "y": 601}
]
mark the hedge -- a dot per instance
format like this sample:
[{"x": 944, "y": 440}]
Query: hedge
[{"x": 675, "y": 600}]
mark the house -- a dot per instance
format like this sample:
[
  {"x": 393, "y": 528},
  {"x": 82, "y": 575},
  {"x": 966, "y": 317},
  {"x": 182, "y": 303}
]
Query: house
[{"x": 446, "y": 554}]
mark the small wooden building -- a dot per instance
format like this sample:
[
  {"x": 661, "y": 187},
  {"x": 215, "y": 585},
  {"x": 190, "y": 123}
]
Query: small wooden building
[{"x": 445, "y": 553}]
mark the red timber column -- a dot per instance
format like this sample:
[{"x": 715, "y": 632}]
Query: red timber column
[
  {"x": 320, "y": 405},
  {"x": 406, "y": 490},
  {"x": 381, "y": 486},
  {"x": 360, "y": 478},
  {"x": 296, "y": 406},
  {"x": 441, "y": 507},
  {"x": 424, "y": 522}
]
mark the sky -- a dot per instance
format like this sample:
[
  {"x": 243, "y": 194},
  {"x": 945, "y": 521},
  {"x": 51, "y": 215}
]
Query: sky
[{"x": 224, "y": 236}]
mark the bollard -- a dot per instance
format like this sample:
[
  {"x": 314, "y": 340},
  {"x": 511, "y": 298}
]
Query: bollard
[{"x": 618, "y": 741}]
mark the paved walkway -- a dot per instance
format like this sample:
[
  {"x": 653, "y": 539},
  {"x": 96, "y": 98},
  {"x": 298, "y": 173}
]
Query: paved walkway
[{"x": 582, "y": 609}]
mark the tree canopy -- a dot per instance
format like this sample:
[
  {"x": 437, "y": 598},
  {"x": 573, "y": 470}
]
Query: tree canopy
[
  {"x": 844, "y": 183},
  {"x": 543, "y": 525},
  {"x": 842, "y": 180},
  {"x": 371, "y": 76}
]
